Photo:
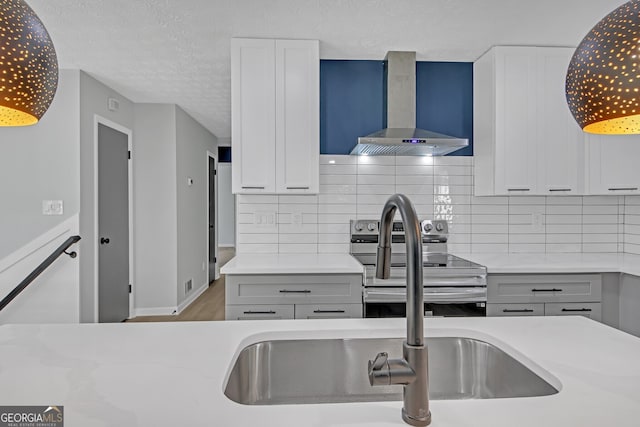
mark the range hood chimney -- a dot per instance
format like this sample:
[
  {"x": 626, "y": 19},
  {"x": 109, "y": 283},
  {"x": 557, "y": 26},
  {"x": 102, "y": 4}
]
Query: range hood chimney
[{"x": 401, "y": 137}]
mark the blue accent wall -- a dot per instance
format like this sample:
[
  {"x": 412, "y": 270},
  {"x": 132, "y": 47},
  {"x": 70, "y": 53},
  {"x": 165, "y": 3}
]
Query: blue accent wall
[
  {"x": 444, "y": 100},
  {"x": 352, "y": 101}
]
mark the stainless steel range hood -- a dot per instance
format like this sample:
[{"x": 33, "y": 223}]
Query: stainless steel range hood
[{"x": 401, "y": 137}]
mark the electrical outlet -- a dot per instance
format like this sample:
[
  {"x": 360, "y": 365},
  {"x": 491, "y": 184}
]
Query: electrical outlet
[
  {"x": 52, "y": 207},
  {"x": 296, "y": 218},
  {"x": 188, "y": 285}
]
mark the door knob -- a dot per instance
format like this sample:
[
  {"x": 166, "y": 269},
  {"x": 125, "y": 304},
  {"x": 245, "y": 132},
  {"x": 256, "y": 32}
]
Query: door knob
[{"x": 104, "y": 240}]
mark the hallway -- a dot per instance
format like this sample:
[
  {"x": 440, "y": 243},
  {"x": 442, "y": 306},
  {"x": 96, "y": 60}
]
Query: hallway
[{"x": 208, "y": 306}]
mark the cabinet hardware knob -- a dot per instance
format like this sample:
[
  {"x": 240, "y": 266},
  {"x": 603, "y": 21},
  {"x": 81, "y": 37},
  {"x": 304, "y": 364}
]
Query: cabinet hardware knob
[
  {"x": 623, "y": 189},
  {"x": 287, "y": 291},
  {"x": 546, "y": 290},
  {"x": 297, "y": 188},
  {"x": 260, "y": 312},
  {"x": 559, "y": 189},
  {"x": 524, "y": 310},
  {"x": 518, "y": 189},
  {"x": 576, "y": 309},
  {"x": 328, "y": 311},
  {"x": 252, "y": 188}
]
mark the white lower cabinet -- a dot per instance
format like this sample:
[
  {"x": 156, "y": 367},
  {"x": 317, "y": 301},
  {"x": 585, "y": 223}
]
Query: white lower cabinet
[
  {"x": 592, "y": 310},
  {"x": 258, "y": 312},
  {"x": 515, "y": 309},
  {"x": 289, "y": 296},
  {"x": 328, "y": 311},
  {"x": 545, "y": 295}
]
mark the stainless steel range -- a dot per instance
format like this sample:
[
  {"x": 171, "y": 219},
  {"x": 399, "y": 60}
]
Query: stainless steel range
[{"x": 452, "y": 286}]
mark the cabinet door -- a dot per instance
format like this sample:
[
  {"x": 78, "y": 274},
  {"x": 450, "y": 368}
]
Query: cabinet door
[
  {"x": 328, "y": 311},
  {"x": 544, "y": 288},
  {"x": 259, "y": 312},
  {"x": 613, "y": 164},
  {"x": 516, "y": 122},
  {"x": 560, "y": 139},
  {"x": 531, "y": 309},
  {"x": 590, "y": 310},
  {"x": 253, "y": 115},
  {"x": 297, "y": 116}
]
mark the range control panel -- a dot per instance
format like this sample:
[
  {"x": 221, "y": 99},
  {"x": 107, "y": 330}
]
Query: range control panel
[{"x": 435, "y": 230}]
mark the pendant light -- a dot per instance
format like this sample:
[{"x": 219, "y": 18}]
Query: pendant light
[{"x": 28, "y": 65}]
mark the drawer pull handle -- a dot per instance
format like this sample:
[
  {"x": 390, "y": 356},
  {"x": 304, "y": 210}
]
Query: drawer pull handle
[
  {"x": 260, "y": 312},
  {"x": 623, "y": 189},
  {"x": 252, "y": 188},
  {"x": 546, "y": 290},
  {"x": 287, "y": 291},
  {"x": 297, "y": 188},
  {"x": 524, "y": 310},
  {"x": 518, "y": 189},
  {"x": 328, "y": 311},
  {"x": 576, "y": 309},
  {"x": 559, "y": 189}
]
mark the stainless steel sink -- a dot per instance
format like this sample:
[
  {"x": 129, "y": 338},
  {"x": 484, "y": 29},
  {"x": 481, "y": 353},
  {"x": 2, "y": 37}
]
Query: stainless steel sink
[{"x": 335, "y": 371}]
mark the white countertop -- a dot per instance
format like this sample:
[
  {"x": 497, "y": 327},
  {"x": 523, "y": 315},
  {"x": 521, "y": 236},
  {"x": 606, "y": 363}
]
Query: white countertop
[
  {"x": 173, "y": 374},
  {"x": 292, "y": 264},
  {"x": 556, "y": 262},
  {"x": 495, "y": 263}
]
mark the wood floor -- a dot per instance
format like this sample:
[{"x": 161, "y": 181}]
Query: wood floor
[{"x": 208, "y": 306}]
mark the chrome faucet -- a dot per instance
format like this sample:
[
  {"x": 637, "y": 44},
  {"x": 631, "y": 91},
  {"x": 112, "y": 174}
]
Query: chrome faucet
[{"x": 412, "y": 370}]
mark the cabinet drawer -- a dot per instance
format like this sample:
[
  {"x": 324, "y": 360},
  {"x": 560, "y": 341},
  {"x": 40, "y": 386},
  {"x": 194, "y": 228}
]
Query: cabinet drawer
[
  {"x": 590, "y": 310},
  {"x": 544, "y": 288},
  {"x": 293, "y": 289},
  {"x": 258, "y": 312},
  {"x": 532, "y": 309},
  {"x": 328, "y": 311}
]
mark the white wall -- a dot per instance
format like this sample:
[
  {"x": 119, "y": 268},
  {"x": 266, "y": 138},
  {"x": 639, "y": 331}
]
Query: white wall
[
  {"x": 155, "y": 212},
  {"x": 93, "y": 100},
  {"x": 53, "y": 296},
  {"x": 440, "y": 187},
  {"x": 192, "y": 143},
  {"x": 40, "y": 162},
  {"x": 226, "y": 207}
]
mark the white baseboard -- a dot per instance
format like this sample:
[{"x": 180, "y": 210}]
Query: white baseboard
[
  {"x": 155, "y": 311},
  {"x": 222, "y": 245},
  {"x": 191, "y": 298}
]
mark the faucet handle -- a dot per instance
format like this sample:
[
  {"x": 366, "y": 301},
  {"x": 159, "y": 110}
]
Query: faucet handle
[
  {"x": 379, "y": 370},
  {"x": 380, "y": 360}
]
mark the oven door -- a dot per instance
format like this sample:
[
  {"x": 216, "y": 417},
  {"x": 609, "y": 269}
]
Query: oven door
[{"x": 438, "y": 302}]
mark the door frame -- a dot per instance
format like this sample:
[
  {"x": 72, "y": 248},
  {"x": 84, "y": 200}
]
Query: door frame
[
  {"x": 210, "y": 155},
  {"x": 97, "y": 120}
]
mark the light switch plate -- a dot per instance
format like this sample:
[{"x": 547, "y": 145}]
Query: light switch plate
[{"x": 52, "y": 207}]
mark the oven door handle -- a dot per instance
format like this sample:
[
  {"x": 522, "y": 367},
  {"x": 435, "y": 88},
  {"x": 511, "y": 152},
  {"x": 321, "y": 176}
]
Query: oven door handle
[{"x": 430, "y": 295}]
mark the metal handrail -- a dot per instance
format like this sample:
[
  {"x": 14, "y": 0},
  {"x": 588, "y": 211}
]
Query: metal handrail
[{"x": 62, "y": 249}]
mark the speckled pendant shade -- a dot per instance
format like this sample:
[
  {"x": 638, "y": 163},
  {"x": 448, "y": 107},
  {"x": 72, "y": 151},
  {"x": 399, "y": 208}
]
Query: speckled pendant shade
[
  {"x": 603, "y": 79},
  {"x": 28, "y": 65}
]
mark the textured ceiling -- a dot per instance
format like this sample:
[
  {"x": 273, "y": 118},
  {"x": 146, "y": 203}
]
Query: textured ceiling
[{"x": 177, "y": 51}]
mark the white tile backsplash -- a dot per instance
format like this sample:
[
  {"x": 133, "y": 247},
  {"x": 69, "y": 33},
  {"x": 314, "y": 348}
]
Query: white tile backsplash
[{"x": 440, "y": 187}]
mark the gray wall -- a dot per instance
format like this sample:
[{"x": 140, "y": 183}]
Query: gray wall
[
  {"x": 155, "y": 212},
  {"x": 40, "y": 162},
  {"x": 93, "y": 100},
  {"x": 226, "y": 207},
  {"x": 192, "y": 142}
]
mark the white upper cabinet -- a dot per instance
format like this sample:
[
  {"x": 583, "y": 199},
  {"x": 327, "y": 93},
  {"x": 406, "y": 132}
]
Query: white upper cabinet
[
  {"x": 275, "y": 97},
  {"x": 525, "y": 139},
  {"x": 612, "y": 163},
  {"x": 560, "y": 140}
]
